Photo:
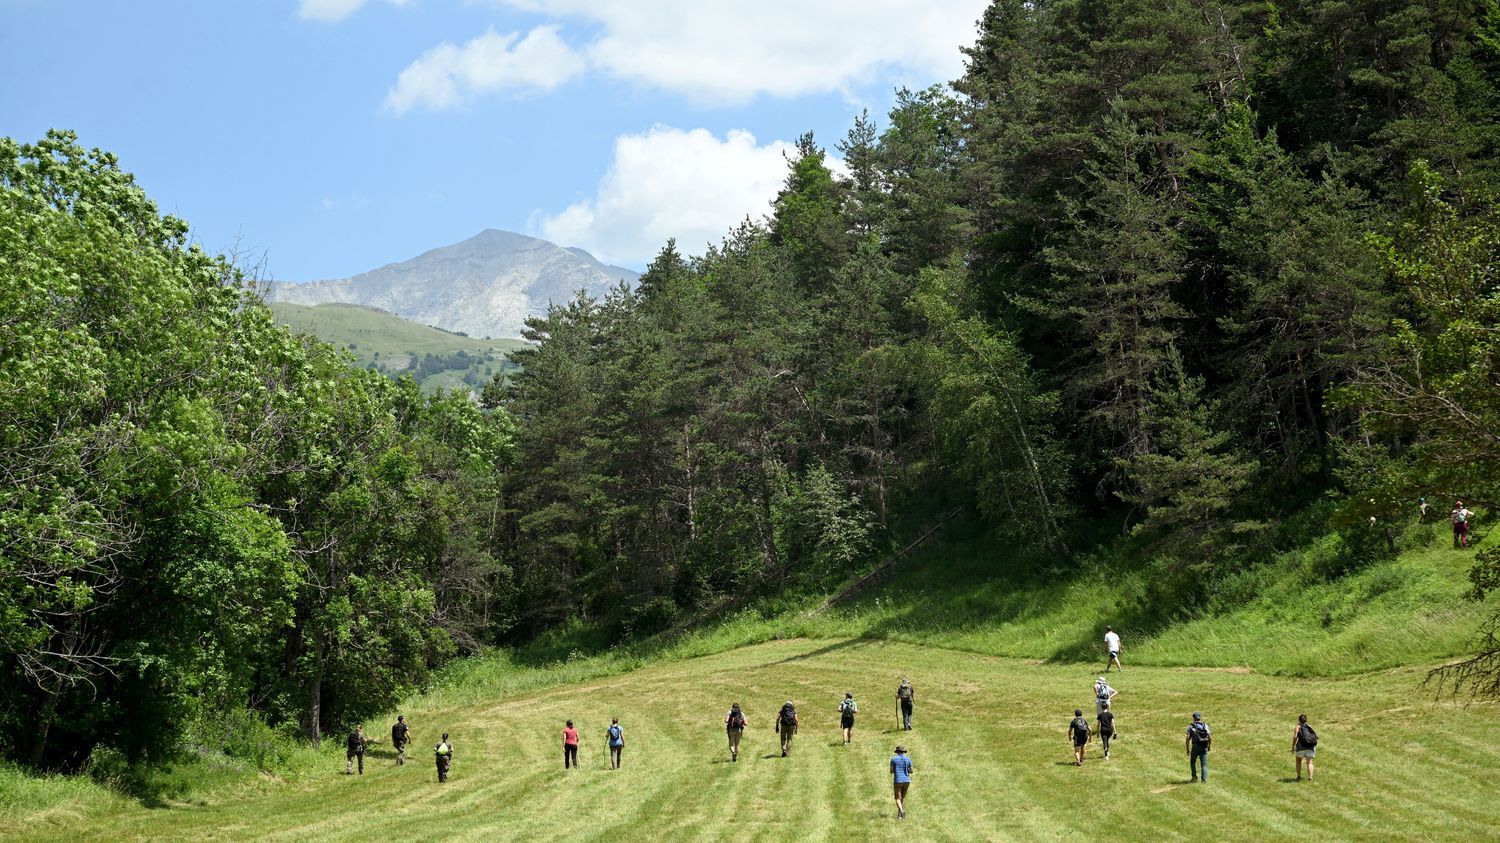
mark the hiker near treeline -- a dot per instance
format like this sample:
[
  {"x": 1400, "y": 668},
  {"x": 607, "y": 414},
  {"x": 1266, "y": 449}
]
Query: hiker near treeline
[
  {"x": 443, "y": 753},
  {"x": 1106, "y": 729},
  {"x": 901, "y": 779},
  {"x": 1112, "y": 646},
  {"x": 1199, "y": 740},
  {"x": 906, "y": 696},
  {"x": 734, "y": 726},
  {"x": 616, "y": 737},
  {"x": 400, "y": 737},
  {"x": 1461, "y": 518},
  {"x": 1103, "y": 695},
  {"x": 355, "y": 745},
  {"x": 847, "y": 709},
  {"x": 786, "y": 726},
  {"x": 1304, "y": 746},
  {"x": 1078, "y": 733},
  {"x": 570, "y": 746}
]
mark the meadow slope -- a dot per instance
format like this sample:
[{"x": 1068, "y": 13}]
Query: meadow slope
[{"x": 991, "y": 757}]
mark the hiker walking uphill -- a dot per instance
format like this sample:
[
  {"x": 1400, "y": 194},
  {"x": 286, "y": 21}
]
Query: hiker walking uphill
[
  {"x": 1461, "y": 518},
  {"x": 906, "y": 698},
  {"x": 901, "y": 779},
  {"x": 443, "y": 753},
  {"x": 1199, "y": 739},
  {"x": 570, "y": 746},
  {"x": 1304, "y": 746},
  {"x": 734, "y": 726},
  {"x": 355, "y": 744},
  {"x": 1106, "y": 729},
  {"x": 1078, "y": 733},
  {"x": 847, "y": 709},
  {"x": 1112, "y": 647},
  {"x": 1103, "y": 695},
  {"x": 400, "y": 737},
  {"x": 616, "y": 738},
  {"x": 786, "y": 726}
]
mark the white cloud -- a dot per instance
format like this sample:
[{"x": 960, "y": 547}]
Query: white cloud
[
  {"x": 670, "y": 183},
  {"x": 447, "y": 76},
  {"x": 333, "y": 11},
  {"x": 735, "y": 50}
]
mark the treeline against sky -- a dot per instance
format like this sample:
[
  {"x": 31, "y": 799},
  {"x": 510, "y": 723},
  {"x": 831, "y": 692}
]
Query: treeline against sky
[{"x": 1182, "y": 265}]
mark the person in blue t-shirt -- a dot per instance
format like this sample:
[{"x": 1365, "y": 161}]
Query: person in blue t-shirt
[
  {"x": 616, "y": 737},
  {"x": 901, "y": 773}
]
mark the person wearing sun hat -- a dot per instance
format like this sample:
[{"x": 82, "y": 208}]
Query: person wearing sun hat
[{"x": 901, "y": 775}]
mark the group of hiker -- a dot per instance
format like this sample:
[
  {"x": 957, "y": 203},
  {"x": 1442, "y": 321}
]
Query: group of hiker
[{"x": 358, "y": 742}]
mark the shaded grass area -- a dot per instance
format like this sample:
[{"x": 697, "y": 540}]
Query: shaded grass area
[{"x": 990, "y": 752}]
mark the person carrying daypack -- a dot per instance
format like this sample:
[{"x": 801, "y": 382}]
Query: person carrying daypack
[
  {"x": 847, "y": 709},
  {"x": 1103, "y": 694},
  {"x": 443, "y": 753},
  {"x": 355, "y": 744},
  {"x": 734, "y": 726},
  {"x": 1106, "y": 729},
  {"x": 786, "y": 726},
  {"x": 1199, "y": 740},
  {"x": 1304, "y": 746},
  {"x": 1461, "y": 516},
  {"x": 615, "y": 736},
  {"x": 400, "y": 737},
  {"x": 906, "y": 697},
  {"x": 1078, "y": 733}
]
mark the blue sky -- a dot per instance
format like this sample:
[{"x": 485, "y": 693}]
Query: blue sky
[{"x": 333, "y": 136}]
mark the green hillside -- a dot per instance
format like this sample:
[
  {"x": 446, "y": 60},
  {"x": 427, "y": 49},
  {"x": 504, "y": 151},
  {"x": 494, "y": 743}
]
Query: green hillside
[{"x": 395, "y": 345}]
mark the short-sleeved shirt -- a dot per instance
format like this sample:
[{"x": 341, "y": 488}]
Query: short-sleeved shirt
[
  {"x": 1112, "y": 641},
  {"x": 570, "y": 736},
  {"x": 901, "y": 768},
  {"x": 1107, "y": 723},
  {"x": 616, "y": 736},
  {"x": 729, "y": 720}
]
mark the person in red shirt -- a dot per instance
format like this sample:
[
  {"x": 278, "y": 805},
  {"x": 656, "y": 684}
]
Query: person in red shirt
[{"x": 570, "y": 746}]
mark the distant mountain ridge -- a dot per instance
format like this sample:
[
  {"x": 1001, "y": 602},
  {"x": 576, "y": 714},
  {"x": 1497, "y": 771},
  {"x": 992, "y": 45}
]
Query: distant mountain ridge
[{"x": 484, "y": 286}]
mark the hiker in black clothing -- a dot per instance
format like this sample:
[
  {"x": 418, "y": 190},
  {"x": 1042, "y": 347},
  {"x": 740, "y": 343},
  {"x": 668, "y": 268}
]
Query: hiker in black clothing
[
  {"x": 1106, "y": 728},
  {"x": 400, "y": 737},
  {"x": 907, "y": 697},
  {"x": 1198, "y": 741},
  {"x": 443, "y": 752},
  {"x": 1304, "y": 746},
  {"x": 356, "y": 750},
  {"x": 786, "y": 726},
  {"x": 1078, "y": 732}
]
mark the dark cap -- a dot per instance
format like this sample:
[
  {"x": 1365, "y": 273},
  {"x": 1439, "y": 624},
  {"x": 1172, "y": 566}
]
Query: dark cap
[
  {"x": 1197, "y": 716},
  {"x": 900, "y": 748}
]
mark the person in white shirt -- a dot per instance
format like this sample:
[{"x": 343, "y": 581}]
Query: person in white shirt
[
  {"x": 1112, "y": 644},
  {"x": 1461, "y": 516}
]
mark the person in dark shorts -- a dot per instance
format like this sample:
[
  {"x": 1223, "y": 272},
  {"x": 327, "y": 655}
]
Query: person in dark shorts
[
  {"x": 847, "y": 709},
  {"x": 616, "y": 737},
  {"x": 443, "y": 753},
  {"x": 1078, "y": 733},
  {"x": 1199, "y": 740},
  {"x": 1106, "y": 729},
  {"x": 734, "y": 727},
  {"x": 355, "y": 744},
  {"x": 1304, "y": 746},
  {"x": 570, "y": 746},
  {"x": 400, "y": 737},
  {"x": 901, "y": 779}
]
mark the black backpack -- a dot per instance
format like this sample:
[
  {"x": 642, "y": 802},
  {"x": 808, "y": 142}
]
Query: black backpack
[
  {"x": 1200, "y": 734},
  {"x": 736, "y": 719},
  {"x": 1307, "y": 738},
  {"x": 1080, "y": 728},
  {"x": 788, "y": 716}
]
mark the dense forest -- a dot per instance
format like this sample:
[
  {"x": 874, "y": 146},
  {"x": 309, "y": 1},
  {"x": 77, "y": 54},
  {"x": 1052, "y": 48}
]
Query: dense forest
[{"x": 1175, "y": 267}]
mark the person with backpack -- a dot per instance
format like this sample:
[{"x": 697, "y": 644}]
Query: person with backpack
[
  {"x": 1199, "y": 740},
  {"x": 355, "y": 744},
  {"x": 1461, "y": 517},
  {"x": 570, "y": 746},
  {"x": 400, "y": 737},
  {"x": 616, "y": 739},
  {"x": 443, "y": 753},
  {"x": 1112, "y": 647},
  {"x": 847, "y": 709},
  {"x": 734, "y": 726},
  {"x": 1304, "y": 746},
  {"x": 906, "y": 697},
  {"x": 1103, "y": 695},
  {"x": 901, "y": 777},
  {"x": 786, "y": 726},
  {"x": 1078, "y": 732},
  {"x": 1106, "y": 729}
]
